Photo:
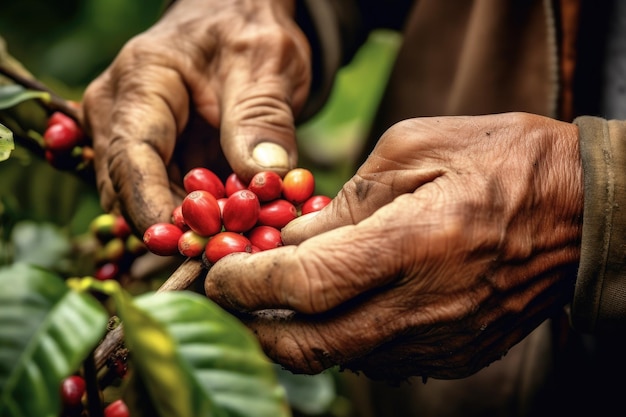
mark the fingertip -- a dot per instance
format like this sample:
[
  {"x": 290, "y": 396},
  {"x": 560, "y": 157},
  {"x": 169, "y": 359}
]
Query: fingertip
[{"x": 298, "y": 229}]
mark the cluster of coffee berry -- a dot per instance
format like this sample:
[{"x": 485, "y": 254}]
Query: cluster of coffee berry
[
  {"x": 65, "y": 144},
  {"x": 218, "y": 218},
  {"x": 73, "y": 392},
  {"x": 117, "y": 246}
]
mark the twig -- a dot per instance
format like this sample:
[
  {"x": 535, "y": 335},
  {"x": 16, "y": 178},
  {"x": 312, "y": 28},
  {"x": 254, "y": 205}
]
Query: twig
[
  {"x": 94, "y": 401},
  {"x": 181, "y": 279},
  {"x": 56, "y": 102}
]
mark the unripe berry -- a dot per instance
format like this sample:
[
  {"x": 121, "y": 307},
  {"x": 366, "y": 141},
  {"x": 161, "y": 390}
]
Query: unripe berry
[
  {"x": 162, "y": 239},
  {"x": 112, "y": 251},
  {"x": 191, "y": 244},
  {"x": 102, "y": 226},
  {"x": 135, "y": 246},
  {"x": 241, "y": 211},
  {"x": 298, "y": 185}
]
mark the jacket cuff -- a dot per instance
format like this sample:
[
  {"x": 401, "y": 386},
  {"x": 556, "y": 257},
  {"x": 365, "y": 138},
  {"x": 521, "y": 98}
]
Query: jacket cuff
[{"x": 599, "y": 304}]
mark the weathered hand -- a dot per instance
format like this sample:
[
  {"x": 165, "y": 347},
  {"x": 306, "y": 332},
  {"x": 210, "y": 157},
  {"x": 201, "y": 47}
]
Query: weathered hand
[
  {"x": 240, "y": 67},
  {"x": 455, "y": 239}
]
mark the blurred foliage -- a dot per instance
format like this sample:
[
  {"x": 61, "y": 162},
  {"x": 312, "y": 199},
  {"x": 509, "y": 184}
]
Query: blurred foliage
[
  {"x": 66, "y": 43},
  {"x": 331, "y": 142}
]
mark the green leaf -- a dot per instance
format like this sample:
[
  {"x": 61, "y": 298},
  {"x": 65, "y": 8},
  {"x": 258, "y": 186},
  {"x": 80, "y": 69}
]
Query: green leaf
[
  {"x": 6, "y": 143},
  {"x": 309, "y": 394},
  {"x": 14, "y": 94},
  {"x": 219, "y": 355},
  {"x": 154, "y": 356},
  {"x": 193, "y": 358},
  {"x": 47, "y": 331},
  {"x": 40, "y": 243}
]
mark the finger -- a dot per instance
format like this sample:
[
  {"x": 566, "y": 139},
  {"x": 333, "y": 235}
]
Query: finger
[
  {"x": 139, "y": 141},
  {"x": 378, "y": 182},
  {"x": 260, "y": 97},
  {"x": 96, "y": 113},
  {"x": 321, "y": 273},
  {"x": 311, "y": 344}
]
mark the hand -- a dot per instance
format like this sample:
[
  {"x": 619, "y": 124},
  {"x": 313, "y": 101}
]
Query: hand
[
  {"x": 240, "y": 67},
  {"x": 456, "y": 238}
]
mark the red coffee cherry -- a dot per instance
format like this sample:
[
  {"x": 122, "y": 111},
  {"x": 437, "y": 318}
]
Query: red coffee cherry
[
  {"x": 315, "y": 203},
  {"x": 121, "y": 228},
  {"x": 298, "y": 185},
  {"x": 106, "y": 271},
  {"x": 72, "y": 391},
  {"x": 117, "y": 408},
  {"x": 265, "y": 237},
  {"x": 178, "y": 219},
  {"x": 277, "y": 213},
  {"x": 191, "y": 244},
  {"x": 58, "y": 117},
  {"x": 222, "y": 202},
  {"x": 267, "y": 185},
  {"x": 225, "y": 243},
  {"x": 241, "y": 211},
  {"x": 202, "y": 213},
  {"x": 234, "y": 183},
  {"x": 61, "y": 137},
  {"x": 162, "y": 239},
  {"x": 204, "y": 179}
]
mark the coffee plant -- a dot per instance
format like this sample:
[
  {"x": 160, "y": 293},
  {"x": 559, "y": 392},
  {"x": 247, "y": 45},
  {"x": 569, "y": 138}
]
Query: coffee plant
[{"x": 80, "y": 335}]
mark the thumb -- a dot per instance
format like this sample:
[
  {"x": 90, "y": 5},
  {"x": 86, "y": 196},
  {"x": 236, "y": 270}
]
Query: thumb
[
  {"x": 347, "y": 208},
  {"x": 257, "y": 125},
  {"x": 358, "y": 199}
]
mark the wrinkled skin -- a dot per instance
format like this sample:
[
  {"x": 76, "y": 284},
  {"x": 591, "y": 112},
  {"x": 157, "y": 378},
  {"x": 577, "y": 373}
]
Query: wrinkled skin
[
  {"x": 456, "y": 238},
  {"x": 223, "y": 78}
]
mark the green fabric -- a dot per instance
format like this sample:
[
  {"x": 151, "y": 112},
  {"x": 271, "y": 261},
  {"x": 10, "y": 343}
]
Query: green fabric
[{"x": 599, "y": 304}]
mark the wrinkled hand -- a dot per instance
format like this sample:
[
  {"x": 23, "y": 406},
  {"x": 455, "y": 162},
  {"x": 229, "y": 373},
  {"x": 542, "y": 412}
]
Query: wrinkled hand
[
  {"x": 455, "y": 239},
  {"x": 240, "y": 67}
]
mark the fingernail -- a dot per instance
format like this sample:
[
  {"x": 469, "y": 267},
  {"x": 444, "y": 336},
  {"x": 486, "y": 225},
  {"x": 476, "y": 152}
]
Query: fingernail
[
  {"x": 298, "y": 221},
  {"x": 270, "y": 155}
]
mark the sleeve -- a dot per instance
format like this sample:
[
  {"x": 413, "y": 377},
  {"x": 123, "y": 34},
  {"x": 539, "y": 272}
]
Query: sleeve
[
  {"x": 336, "y": 29},
  {"x": 599, "y": 304}
]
